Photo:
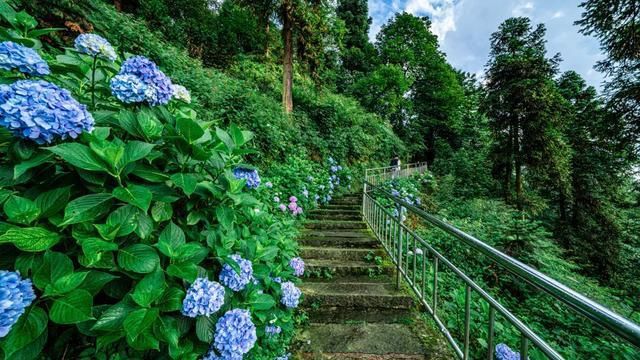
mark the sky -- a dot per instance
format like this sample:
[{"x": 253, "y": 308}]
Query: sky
[{"x": 463, "y": 28}]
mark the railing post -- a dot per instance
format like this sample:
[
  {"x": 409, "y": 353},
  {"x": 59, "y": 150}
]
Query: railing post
[{"x": 399, "y": 235}]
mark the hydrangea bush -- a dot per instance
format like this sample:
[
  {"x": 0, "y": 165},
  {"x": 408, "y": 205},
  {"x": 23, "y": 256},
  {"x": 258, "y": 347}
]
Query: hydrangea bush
[{"x": 124, "y": 230}]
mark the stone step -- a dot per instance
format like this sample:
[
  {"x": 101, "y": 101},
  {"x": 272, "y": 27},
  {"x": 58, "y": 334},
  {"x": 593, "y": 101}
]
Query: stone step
[
  {"x": 340, "y": 341},
  {"x": 345, "y": 254},
  {"x": 362, "y": 296},
  {"x": 336, "y": 233},
  {"x": 343, "y": 315},
  {"x": 347, "y": 201},
  {"x": 362, "y": 242},
  {"x": 331, "y": 225},
  {"x": 335, "y": 217},
  {"x": 342, "y": 207},
  {"x": 335, "y": 211},
  {"x": 380, "y": 279},
  {"x": 338, "y": 268}
]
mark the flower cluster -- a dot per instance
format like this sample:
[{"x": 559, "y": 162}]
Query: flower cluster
[
  {"x": 251, "y": 176},
  {"x": 17, "y": 57},
  {"x": 41, "y": 111},
  {"x": 272, "y": 330},
  {"x": 158, "y": 89},
  {"x": 181, "y": 93},
  {"x": 203, "y": 298},
  {"x": 16, "y": 295},
  {"x": 297, "y": 264},
  {"x": 294, "y": 207},
  {"x": 290, "y": 295},
  {"x": 235, "y": 335},
  {"x": 504, "y": 352},
  {"x": 95, "y": 45},
  {"x": 234, "y": 280}
]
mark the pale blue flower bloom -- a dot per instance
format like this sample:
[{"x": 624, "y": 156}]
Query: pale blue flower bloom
[
  {"x": 235, "y": 334},
  {"x": 16, "y": 295},
  {"x": 128, "y": 88},
  {"x": 95, "y": 45},
  {"x": 290, "y": 295},
  {"x": 203, "y": 298},
  {"x": 14, "y": 56},
  {"x": 251, "y": 176},
  {"x": 297, "y": 264},
  {"x": 233, "y": 280}
]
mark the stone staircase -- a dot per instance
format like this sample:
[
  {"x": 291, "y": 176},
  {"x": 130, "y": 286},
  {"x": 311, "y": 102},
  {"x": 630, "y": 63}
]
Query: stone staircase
[{"x": 354, "y": 308}]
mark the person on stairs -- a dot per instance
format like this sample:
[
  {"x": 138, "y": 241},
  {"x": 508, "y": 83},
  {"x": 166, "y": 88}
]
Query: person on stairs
[{"x": 395, "y": 166}]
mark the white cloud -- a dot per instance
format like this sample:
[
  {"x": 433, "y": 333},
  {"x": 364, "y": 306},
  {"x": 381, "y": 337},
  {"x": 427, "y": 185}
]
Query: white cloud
[
  {"x": 441, "y": 12},
  {"x": 523, "y": 9},
  {"x": 558, "y": 14}
]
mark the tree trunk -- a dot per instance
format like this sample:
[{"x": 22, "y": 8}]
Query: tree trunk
[
  {"x": 518, "y": 164},
  {"x": 287, "y": 63},
  {"x": 117, "y": 4},
  {"x": 266, "y": 40}
]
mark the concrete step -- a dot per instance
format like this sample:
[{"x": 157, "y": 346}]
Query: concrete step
[
  {"x": 336, "y": 233},
  {"x": 335, "y": 211},
  {"x": 335, "y": 217},
  {"x": 362, "y": 242},
  {"x": 342, "y": 207},
  {"x": 338, "y": 268},
  {"x": 347, "y": 315},
  {"x": 363, "y": 296},
  {"x": 344, "y": 254},
  {"x": 331, "y": 225},
  {"x": 340, "y": 341},
  {"x": 347, "y": 201}
]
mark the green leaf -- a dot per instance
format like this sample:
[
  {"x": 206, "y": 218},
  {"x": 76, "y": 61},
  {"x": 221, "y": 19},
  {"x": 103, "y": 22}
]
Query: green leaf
[
  {"x": 21, "y": 210},
  {"x": 261, "y": 301},
  {"x": 191, "y": 252},
  {"x": 31, "y": 325},
  {"x": 113, "y": 318},
  {"x": 54, "y": 265},
  {"x": 73, "y": 308},
  {"x": 23, "y": 167},
  {"x": 32, "y": 239},
  {"x": 187, "y": 182},
  {"x": 134, "y": 151},
  {"x": 149, "y": 289},
  {"x": 139, "y": 258},
  {"x": 189, "y": 129},
  {"x": 86, "y": 208},
  {"x": 171, "y": 238},
  {"x": 148, "y": 124},
  {"x": 161, "y": 211},
  {"x": 171, "y": 299},
  {"x": 52, "y": 201},
  {"x": 186, "y": 271},
  {"x": 226, "y": 139},
  {"x": 139, "y": 321},
  {"x": 135, "y": 195},
  {"x": 66, "y": 283},
  {"x": 205, "y": 328},
  {"x": 225, "y": 216},
  {"x": 144, "y": 226},
  {"x": 96, "y": 280},
  {"x": 79, "y": 156}
]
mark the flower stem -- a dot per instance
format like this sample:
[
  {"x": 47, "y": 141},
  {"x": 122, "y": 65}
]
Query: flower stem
[{"x": 93, "y": 82}]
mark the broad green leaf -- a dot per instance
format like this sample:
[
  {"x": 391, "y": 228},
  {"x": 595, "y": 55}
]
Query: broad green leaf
[
  {"x": 149, "y": 289},
  {"x": 161, "y": 211},
  {"x": 226, "y": 139},
  {"x": 139, "y": 258},
  {"x": 186, "y": 182},
  {"x": 32, "y": 239},
  {"x": 73, "y": 308},
  {"x": 187, "y": 271},
  {"x": 96, "y": 280},
  {"x": 54, "y": 265},
  {"x": 134, "y": 151},
  {"x": 149, "y": 173},
  {"x": 139, "y": 321},
  {"x": 113, "y": 318},
  {"x": 205, "y": 328},
  {"x": 148, "y": 124},
  {"x": 86, "y": 208},
  {"x": 79, "y": 156},
  {"x": 261, "y": 301},
  {"x": 191, "y": 252},
  {"x": 21, "y": 210},
  {"x": 31, "y": 325},
  {"x": 171, "y": 299},
  {"x": 52, "y": 201},
  {"x": 110, "y": 152},
  {"x": 135, "y": 195},
  {"x": 225, "y": 216},
  {"x": 125, "y": 219},
  {"x": 144, "y": 226},
  {"x": 171, "y": 238},
  {"x": 189, "y": 129},
  {"x": 20, "y": 169},
  {"x": 66, "y": 283}
]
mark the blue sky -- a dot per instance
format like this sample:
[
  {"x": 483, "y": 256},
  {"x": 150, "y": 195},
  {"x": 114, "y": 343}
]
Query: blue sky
[{"x": 464, "y": 27}]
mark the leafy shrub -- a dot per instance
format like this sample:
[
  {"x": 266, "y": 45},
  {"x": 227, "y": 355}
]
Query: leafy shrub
[{"x": 115, "y": 223}]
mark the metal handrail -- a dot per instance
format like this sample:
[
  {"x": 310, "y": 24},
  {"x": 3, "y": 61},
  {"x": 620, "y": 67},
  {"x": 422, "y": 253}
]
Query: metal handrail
[
  {"x": 380, "y": 174},
  {"x": 588, "y": 308}
]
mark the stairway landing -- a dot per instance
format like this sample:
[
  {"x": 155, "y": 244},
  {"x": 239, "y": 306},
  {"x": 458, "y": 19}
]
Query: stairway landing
[{"x": 354, "y": 308}]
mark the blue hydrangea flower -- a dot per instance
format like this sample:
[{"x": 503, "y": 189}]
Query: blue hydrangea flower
[
  {"x": 283, "y": 357},
  {"x": 181, "y": 93},
  {"x": 95, "y": 45},
  {"x": 277, "y": 279},
  {"x": 17, "y": 57},
  {"x": 297, "y": 264},
  {"x": 305, "y": 192},
  {"x": 290, "y": 295},
  {"x": 235, "y": 334},
  {"x": 233, "y": 280},
  {"x": 395, "y": 192},
  {"x": 251, "y": 176},
  {"x": 159, "y": 87},
  {"x": 15, "y": 296},
  {"x": 128, "y": 88},
  {"x": 272, "y": 330},
  {"x": 41, "y": 111},
  {"x": 268, "y": 184},
  {"x": 504, "y": 352},
  {"x": 276, "y": 199},
  {"x": 334, "y": 168},
  {"x": 203, "y": 298}
]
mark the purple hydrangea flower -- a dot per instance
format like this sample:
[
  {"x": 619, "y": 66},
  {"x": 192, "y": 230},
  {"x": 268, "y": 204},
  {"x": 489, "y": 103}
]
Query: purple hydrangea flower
[
  {"x": 18, "y": 57},
  {"x": 95, "y": 45},
  {"x": 272, "y": 330},
  {"x": 283, "y": 207},
  {"x": 290, "y": 295},
  {"x": 16, "y": 295},
  {"x": 504, "y": 352},
  {"x": 233, "y": 280},
  {"x": 235, "y": 334},
  {"x": 297, "y": 264},
  {"x": 251, "y": 176},
  {"x": 293, "y": 207},
  {"x": 203, "y": 298},
  {"x": 41, "y": 111},
  {"x": 128, "y": 88},
  {"x": 293, "y": 199},
  {"x": 297, "y": 211},
  {"x": 159, "y": 87}
]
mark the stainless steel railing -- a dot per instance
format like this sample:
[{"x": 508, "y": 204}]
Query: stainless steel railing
[{"x": 380, "y": 175}]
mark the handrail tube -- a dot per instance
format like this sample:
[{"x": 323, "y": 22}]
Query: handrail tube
[
  {"x": 388, "y": 167},
  {"x": 583, "y": 305},
  {"x": 522, "y": 327}
]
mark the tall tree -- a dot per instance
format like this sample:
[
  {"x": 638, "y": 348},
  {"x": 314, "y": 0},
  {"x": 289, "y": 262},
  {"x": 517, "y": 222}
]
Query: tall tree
[
  {"x": 357, "y": 54},
  {"x": 616, "y": 23},
  {"x": 526, "y": 112}
]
